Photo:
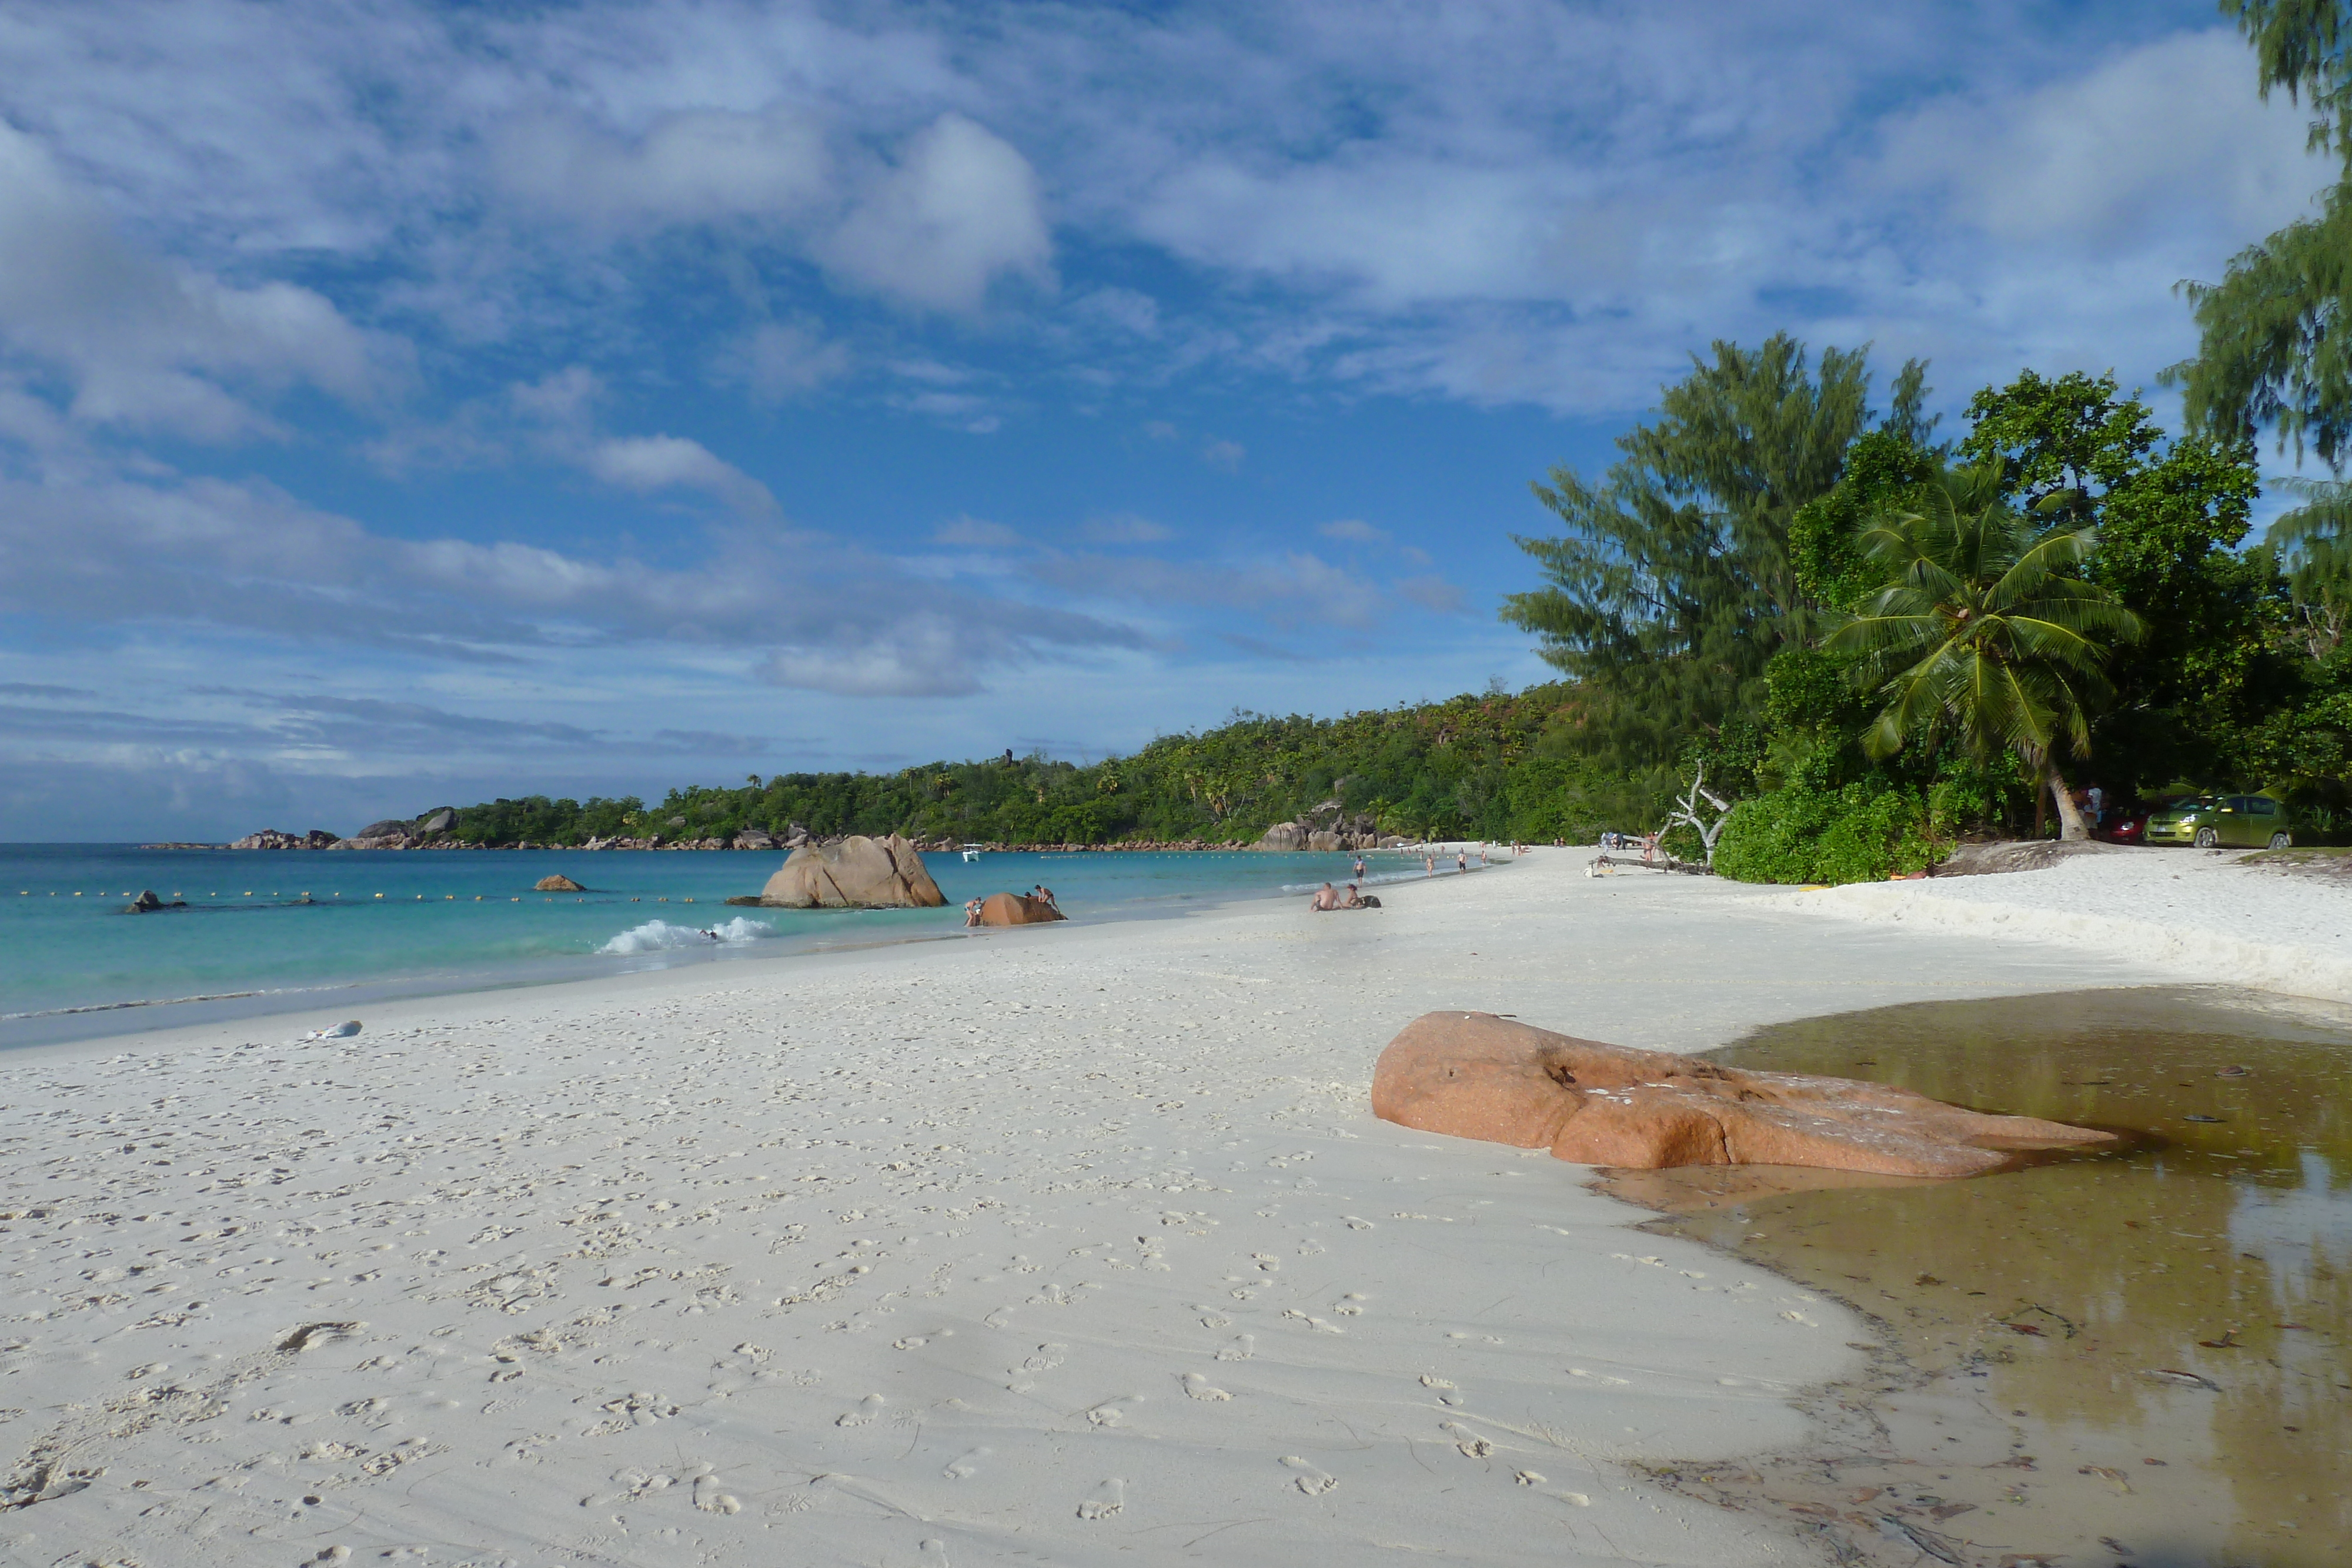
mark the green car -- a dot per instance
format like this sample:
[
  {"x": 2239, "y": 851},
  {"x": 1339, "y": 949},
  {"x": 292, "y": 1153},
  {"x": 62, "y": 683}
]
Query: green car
[{"x": 2222, "y": 821}]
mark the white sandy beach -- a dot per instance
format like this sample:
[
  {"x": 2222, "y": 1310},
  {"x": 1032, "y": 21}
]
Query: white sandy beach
[{"x": 1064, "y": 1245}]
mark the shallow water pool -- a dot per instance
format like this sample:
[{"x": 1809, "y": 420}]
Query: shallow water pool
[{"x": 2158, "y": 1332}]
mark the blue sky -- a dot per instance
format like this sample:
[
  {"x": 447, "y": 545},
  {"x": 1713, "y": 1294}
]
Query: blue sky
[{"x": 408, "y": 403}]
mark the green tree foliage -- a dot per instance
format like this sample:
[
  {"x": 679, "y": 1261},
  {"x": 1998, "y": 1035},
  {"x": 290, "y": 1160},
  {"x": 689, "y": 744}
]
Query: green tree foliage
[
  {"x": 2168, "y": 516},
  {"x": 1863, "y": 832},
  {"x": 1496, "y": 766},
  {"x": 537, "y": 820},
  {"x": 1674, "y": 583},
  {"x": 1885, "y": 468},
  {"x": 1981, "y": 636},
  {"x": 2272, "y": 348}
]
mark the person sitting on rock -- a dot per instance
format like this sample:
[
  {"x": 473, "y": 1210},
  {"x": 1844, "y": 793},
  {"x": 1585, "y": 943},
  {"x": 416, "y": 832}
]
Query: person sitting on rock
[{"x": 1042, "y": 893}]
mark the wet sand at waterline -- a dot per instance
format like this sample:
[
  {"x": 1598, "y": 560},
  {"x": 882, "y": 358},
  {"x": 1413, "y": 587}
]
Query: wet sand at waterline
[{"x": 2133, "y": 1357}]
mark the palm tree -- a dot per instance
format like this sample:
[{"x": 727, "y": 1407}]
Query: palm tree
[{"x": 1980, "y": 635}]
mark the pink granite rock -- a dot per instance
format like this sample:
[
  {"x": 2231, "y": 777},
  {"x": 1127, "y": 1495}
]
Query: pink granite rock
[{"x": 1474, "y": 1075}]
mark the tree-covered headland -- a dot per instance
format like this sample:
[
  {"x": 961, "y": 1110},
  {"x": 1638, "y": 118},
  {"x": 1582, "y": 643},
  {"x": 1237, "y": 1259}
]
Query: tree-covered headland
[{"x": 1498, "y": 765}]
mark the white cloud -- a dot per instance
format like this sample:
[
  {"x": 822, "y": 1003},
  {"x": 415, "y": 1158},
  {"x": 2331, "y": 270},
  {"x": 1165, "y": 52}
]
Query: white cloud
[
  {"x": 919, "y": 661},
  {"x": 696, "y": 167},
  {"x": 1355, "y": 530},
  {"x": 147, "y": 344},
  {"x": 786, "y": 359},
  {"x": 647, "y": 464},
  {"x": 2144, "y": 145},
  {"x": 1224, "y": 456},
  {"x": 959, "y": 210}
]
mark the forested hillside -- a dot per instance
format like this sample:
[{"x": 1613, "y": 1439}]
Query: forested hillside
[{"x": 1498, "y": 766}]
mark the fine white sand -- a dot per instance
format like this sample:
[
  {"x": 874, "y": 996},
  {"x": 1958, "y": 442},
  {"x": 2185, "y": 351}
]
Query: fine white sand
[
  {"x": 1062, "y": 1244},
  {"x": 2198, "y": 914}
]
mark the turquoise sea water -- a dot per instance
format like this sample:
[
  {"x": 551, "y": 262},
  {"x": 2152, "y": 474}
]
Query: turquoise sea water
[{"x": 380, "y": 921}]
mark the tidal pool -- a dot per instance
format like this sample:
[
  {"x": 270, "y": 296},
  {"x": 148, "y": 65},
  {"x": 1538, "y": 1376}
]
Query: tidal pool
[{"x": 2136, "y": 1356}]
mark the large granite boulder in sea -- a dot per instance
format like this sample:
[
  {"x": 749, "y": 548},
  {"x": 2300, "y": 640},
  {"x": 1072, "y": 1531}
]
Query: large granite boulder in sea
[
  {"x": 1476, "y": 1075},
  {"x": 558, "y": 883},
  {"x": 1284, "y": 836},
  {"x": 858, "y": 872},
  {"x": 1017, "y": 909}
]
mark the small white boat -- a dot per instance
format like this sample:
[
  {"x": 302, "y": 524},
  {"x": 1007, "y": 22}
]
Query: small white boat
[{"x": 971, "y": 854}]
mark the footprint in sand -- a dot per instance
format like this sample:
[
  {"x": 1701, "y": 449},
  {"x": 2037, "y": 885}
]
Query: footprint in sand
[
  {"x": 1197, "y": 1388},
  {"x": 1267, "y": 1261},
  {"x": 1242, "y": 1349},
  {"x": 1105, "y": 1500},
  {"x": 868, "y": 1409},
  {"x": 1472, "y": 1445},
  {"x": 966, "y": 1467},
  {"x": 1048, "y": 1356},
  {"x": 1311, "y": 1479},
  {"x": 1107, "y": 1413},
  {"x": 1210, "y": 1318},
  {"x": 710, "y": 1500}
]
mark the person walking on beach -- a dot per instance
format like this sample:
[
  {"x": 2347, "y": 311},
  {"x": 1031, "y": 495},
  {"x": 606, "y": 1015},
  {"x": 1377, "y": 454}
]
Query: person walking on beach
[
  {"x": 1429, "y": 865},
  {"x": 1359, "y": 868},
  {"x": 1462, "y": 862}
]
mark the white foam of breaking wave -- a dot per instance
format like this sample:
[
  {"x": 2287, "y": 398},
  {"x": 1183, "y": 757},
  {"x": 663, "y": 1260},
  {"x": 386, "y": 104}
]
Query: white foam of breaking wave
[{"x": 661, "y": 937}]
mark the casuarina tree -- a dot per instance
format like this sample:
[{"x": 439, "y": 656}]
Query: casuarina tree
[{"x": 1672, "y": 583}]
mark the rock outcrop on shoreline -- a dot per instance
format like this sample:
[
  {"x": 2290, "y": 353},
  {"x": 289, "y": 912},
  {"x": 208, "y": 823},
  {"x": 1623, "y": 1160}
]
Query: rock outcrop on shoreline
[
  {"x": 274, "y": 838},
  {"x": 1476, "y": 1075},
  {"x": 858, "y": 872},
  {"x": 1329, "y": 830},
  {"x": 1017, "y": 909}
]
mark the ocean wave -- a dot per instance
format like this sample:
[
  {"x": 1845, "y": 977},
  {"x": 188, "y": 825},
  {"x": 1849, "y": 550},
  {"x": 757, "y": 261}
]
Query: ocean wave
[{"x": 661, "y": 937}]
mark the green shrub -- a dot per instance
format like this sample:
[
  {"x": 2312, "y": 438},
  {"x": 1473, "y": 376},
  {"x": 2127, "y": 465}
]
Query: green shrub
[{"x": 1860, "y": 833}]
